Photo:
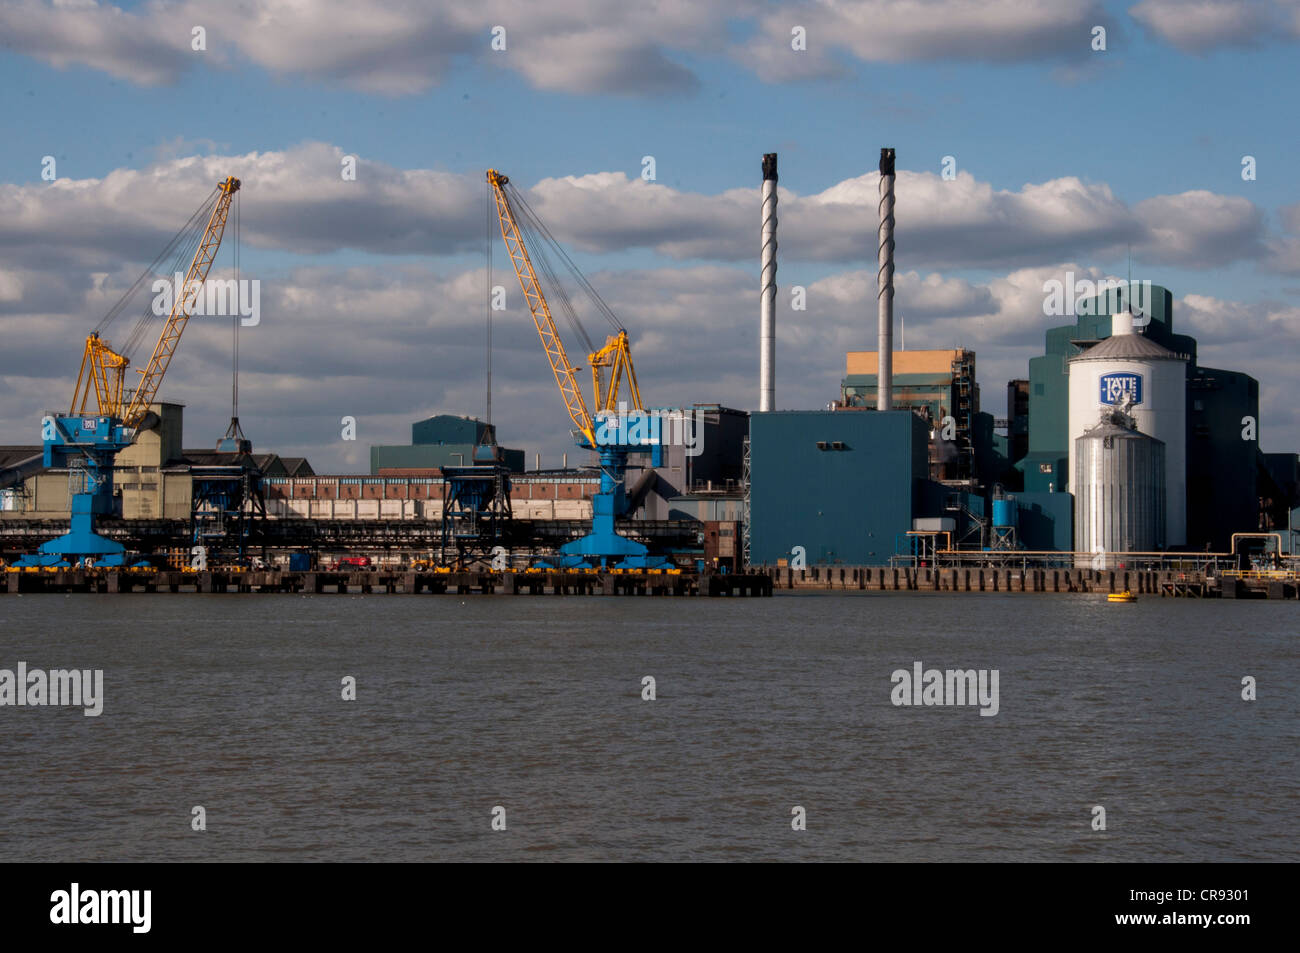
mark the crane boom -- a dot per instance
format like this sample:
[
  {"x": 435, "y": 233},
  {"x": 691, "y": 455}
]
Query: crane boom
[
  {"x": 103, "y": 369},
  {"x": 565, "y": 374},
  {"x": 182, "y": 306}
]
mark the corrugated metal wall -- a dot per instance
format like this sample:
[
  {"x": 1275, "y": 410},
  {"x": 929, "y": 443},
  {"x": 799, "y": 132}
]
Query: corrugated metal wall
[
  {"x": 1119, "y": 495},
  {"x": 845, "y": 504}
]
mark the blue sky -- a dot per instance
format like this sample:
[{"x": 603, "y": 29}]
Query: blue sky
[{"x": 1162, "y": 117}]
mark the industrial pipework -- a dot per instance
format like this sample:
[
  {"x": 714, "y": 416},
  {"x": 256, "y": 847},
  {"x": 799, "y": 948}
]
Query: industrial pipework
[{"x": 767, "y": 294}]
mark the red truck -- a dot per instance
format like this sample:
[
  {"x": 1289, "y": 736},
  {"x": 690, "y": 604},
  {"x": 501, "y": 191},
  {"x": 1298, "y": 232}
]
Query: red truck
[{"x": 352, "y": 562}]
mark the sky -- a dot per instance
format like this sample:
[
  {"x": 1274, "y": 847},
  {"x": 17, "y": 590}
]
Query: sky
[{"x": 1025, "y": 150}]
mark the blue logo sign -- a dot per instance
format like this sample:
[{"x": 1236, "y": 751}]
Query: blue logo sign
[{"x": 1119, "y": 389}]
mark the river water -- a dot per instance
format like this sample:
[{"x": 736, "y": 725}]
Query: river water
[{"x": 534, "y": 704}]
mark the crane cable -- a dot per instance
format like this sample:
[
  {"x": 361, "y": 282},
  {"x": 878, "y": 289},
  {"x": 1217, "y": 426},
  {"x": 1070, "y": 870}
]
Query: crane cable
[
  {"x": 235, "y": 319},
  {"x": 543, "y": 244},
  {"x": 488, "y": 241},
  {"x": 555, "y": 291},
  {"x": 182, "y": 247},
  {"x": 604, "y": 308}
]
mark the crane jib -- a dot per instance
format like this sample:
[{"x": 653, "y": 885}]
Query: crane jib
[
  {"x": 103, "y": 369},
  {"x": 615, "y": 357}
]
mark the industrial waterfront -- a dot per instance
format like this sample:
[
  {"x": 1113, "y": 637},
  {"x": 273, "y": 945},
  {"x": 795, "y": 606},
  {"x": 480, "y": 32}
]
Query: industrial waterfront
[
  {"x": 463, "y": 705},
  {"x": 1119, "y": 452}
]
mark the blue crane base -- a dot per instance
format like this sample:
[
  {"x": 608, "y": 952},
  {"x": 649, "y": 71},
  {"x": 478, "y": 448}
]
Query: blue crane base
[
  {"x": 93, "y": 443},
  {"x": 79, "y": 543},
  {"x": 604, "y": 547}
]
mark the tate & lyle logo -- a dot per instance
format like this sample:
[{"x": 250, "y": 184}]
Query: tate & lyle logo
[{"x": 1121, "y": 389}]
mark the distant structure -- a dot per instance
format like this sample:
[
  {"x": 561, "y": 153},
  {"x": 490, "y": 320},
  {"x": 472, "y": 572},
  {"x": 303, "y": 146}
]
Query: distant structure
[
  {"x": 885, "y": 282},
  {"x": 1227, "y": 483},
  {"x": 767, "y": 291},
  {"x": 1119, "y": 502},
  {"x": 1128, "y": 371},
  {"x": 443, "y": 440},
  {"x": 939, "y": 386}
]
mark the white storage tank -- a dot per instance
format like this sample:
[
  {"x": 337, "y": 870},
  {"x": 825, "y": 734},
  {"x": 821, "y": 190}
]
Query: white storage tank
[
  {"x": 1130, "y": 372},
  {"x": 1119, "y": 496}
]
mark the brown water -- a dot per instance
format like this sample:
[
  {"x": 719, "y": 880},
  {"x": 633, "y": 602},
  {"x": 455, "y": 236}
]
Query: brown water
[{"x": 534, "y": 704}]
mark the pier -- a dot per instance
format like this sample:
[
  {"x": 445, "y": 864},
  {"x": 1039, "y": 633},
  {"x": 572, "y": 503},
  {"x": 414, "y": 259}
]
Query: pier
[
  {"x": 1168, "y": 583},
  {"x": 1225, "y": 584},
  {"x": 393, "y": 582}
]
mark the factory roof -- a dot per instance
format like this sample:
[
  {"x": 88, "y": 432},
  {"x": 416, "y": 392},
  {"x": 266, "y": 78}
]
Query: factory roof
[
  {"x": 297, "y": 466},
  {"x": 1127, "y": 347},
  {"x": 905, "y": 362},
  {"x": 1111, "y": 429},
  {"x": 10, "y": 455}
]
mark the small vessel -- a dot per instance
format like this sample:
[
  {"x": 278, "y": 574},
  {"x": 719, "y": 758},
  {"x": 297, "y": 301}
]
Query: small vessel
[{"x": 1124, "y": 596}]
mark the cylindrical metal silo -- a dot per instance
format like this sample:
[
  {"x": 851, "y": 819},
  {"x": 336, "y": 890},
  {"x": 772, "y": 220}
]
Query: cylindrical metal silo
[
  {"x": 1004, "y": 512},
  {"x": 1129, "y": 371},
  {"x": 1119, "y": 493}
]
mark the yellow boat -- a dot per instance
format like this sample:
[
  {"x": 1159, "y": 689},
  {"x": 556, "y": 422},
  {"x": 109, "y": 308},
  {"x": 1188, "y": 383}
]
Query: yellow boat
[{"x": 1124, "y": 596}]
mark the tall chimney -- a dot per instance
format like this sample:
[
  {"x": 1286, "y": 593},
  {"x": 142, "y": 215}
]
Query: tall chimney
[
  {"x": 767, "y": 294},
  {"x": 885, "y": 286}
]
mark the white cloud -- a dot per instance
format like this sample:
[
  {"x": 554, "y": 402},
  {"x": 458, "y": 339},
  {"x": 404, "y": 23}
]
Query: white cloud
[
  {"x": 1284, "y": 250},
  {"x": 1200, "y": 228},
  {"x": 402, "y": 47},
  {"x": 895, "y": 31},
  {"x": 391, "y": 343},
  {"x": 295, "y": 201},
  {"x": 150, "y": 48},
  {"x": 390, "y": 47},
  {"x": 940, "y": 223},
  {"x": 1197, "y": 26},
  {"x": 1215, "y": 321}
]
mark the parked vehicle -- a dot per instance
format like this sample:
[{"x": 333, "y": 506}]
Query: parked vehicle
[{"x": 352, "y": 562}]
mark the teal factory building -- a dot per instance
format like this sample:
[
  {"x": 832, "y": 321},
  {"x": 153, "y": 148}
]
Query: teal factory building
[
  {"x": 849, "y": 484},
  {"x": 443, "y": 440},
  {"x": 842, "y": 485}
]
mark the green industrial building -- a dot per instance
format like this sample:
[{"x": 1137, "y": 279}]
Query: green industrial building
[
  {"x": 1227, "y": 476},
  {"x": 443, "y": 440}
]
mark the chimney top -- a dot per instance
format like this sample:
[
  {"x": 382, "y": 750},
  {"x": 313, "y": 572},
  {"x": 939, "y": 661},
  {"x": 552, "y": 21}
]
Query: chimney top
[{"x": 886, "y": 161}]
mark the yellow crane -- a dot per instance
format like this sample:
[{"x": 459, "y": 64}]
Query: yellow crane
[
  {"x": 103, "y": 369},
  {"x": 611, "y": 369},
  {"x": 616, "y": 354},
  {"x": 88, "y": 439}
]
